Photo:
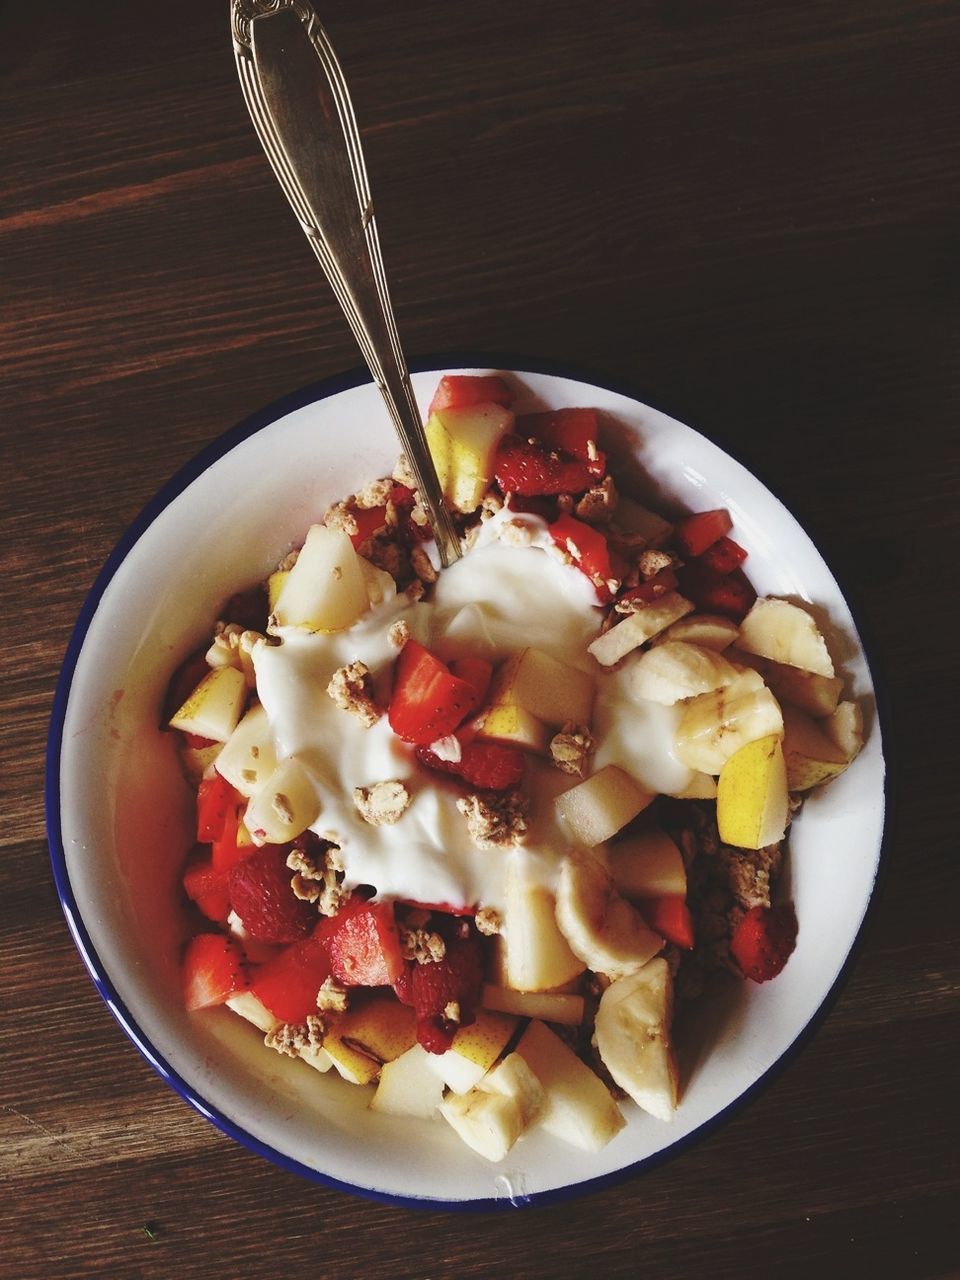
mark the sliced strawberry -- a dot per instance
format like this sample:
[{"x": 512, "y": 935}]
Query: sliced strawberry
[
  {"x": 670, "y": 917},
  {"x": 261, "y": 895},
  {"x": 728, "y": 593},
  {"x": 207, "y": 887},
  {"x": 571, "y": 431},
  {"x": 476, "y": 672},
  {"x": 695, "y": 534},
  {"x": 491, "y": 766},
  {"x": 248, "y": 609},
  {"x": 197, "y": 742},
  {"x": 363, "y": 944},
  {"x": 427, "y": 701},
  {"x": 213, "y": 970},
  {"x": 534, "y": 470},
  {"x": 368, "y": 520},
  {"x": 216, "y": 801},
  {"x": 461, "y": 390},
  {"x": 227, "y": 851},
  {"x": 763, "y": 941},
  {"x": 288, "y": 983},
  {"x": 653, "y": 588},
  {"x": 182, "y": 683},
  {"x": 724, "y": 556},
  {"x": 403, "y": 985},
  {"x": 456, "y": 979},
  {"x": 589, "y": 550}
]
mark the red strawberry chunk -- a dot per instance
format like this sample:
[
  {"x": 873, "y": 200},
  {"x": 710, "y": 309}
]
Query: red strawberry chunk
[
  {"x": 369, "y": 520},
  {"x": 227, "y": 851},
  {"x": 571, "y": 431},
  {"x": 461, "y": 390},
  {"x": 763, "y": 941},
  {"x": 477, "y": 673},
  {"x": 288, "y": 983},
  {"x": 695, "y": 534},
  {"x": 728, "y": 593},
  {"x": 363, "y": 944},
  {"x": 589, "y": 549},
  {"x": 534, "y": 470},
  {"x": 213, "y": 970},
  {"x": 428, "y": 702},
  {"x": 456, "y": 979},
  {"x": 670, "y": 917},
  {"x": 216, "y": 801},
  {"x": 724, "y": 556},
  {"x": 207, "y": 887},
  {"x": 491, "y": 766},
  {"x": 261, "y": 895}
]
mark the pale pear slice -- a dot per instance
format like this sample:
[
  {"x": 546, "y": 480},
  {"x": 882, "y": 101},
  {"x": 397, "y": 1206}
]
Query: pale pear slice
[
  {"x": 715, "y": 725},
  {"x": 578, "y": 1107},
  {"x": 678, "y": 669},
  {"x": 213, "y": 709},
  {"x": 275, "y": 584},
  {"x": 246, "y": 1004},
  {"x": 326, "y": 589},
  {"x": 463, "y": 444},
  {"x": 408, "y": 1086},
  {"x": 512, "y": 1078},
  {"x": 514, "y": 726},
  {"x": 597, "y": 808},
  {"x": 752, "y": 797},
  {"x": 637, "y": 628},
  {"x": 816, "y": 695},
  {"x": 633, "y": 1038},
  {"x": 602, "y": 928},
  {"x": 284, "y": 806},
  {"x": 195, "y": 761},
  {"x": 640, "y": 525},
  {"x": 368, "y": 1035},
  {"x": 565, "y": 1008},
  {"x": 784, "y": 632},
  {"x": 474, "y": 1050},
  {"x": 844, "y": 728},
  {"x": 811, "y": 756},
  {"x": 648, "y": 865},
  {"x": 532, "y": 953},
  {"x": 707, "y": 629},
  {"x": 551, "y": 690},
  {"x": 249, "y": 755},
  {"x": 489, "y": 1123}
]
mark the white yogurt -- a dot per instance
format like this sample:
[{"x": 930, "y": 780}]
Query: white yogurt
[{"x": 495, "y": 600}]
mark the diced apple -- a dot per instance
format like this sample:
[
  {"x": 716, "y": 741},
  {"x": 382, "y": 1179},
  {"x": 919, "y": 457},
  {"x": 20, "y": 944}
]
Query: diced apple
[
  {"x": 597, "y": 808},
  {"x": 246, "y": 1004},
  {"x": 637, "y": 628},
  {"x": 710, "y": 630},
  {"x": 551, "y": 690},
  {"x": 784, "y": 632},
  {"x": 463, "y": 444},
  {"x": 489, "y": 1123},
  {"x": 648, "y": 865},
  {"x": 633, "y": 1037},
  {"x": 816, "y": 695},
  {"x": 578, "y": 1107},
  {"x": 532, "y": 953},
  {"x": 409, "y": 1086},
  {"x": 715, "y": 725},
  {"x": 474, "y": 1050},
  {"x": 676, "y": 670},
  {"x": 284, "y": 806},
  {"x": 249, "y": 756},
  {"x": 377, "y": 1030},
  {"x": 512, "y": 725},
  {"x": 752, "y": 797},
  {"x": 811, "y": 757},
  {"x": 213, "y": 709},
  {"x": 565, "y": 1008},
  {"x": 326, "y": 590},
  {"x": 643, "y": 527}
]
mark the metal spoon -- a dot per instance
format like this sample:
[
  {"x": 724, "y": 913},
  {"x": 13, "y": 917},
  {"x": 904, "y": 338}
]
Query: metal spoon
[{"x": 297, "y": 97}]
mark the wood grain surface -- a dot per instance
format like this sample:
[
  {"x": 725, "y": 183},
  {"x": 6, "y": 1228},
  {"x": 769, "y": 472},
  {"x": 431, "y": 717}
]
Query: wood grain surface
[{"x": 747, "y": 211}]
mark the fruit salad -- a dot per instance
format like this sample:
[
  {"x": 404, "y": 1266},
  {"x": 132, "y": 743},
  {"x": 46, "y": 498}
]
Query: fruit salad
[{"x": 473, "y": 838}]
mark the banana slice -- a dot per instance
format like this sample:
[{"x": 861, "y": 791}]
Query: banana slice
[
  {"x": 600, "y": 926},
  {"x": 678, "y": 669},
  {"x": 632, "y": 1032}
]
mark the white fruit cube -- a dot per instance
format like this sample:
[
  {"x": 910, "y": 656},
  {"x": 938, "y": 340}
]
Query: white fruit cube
[
  {"x": 284, "y": 806},
  {"x": 512, "y": 1078},
  {"x": 409, "y": 1086},
  {"x": 816, "y": 695},
  {"x": 648, "y": 865},
  {"x": 512, "y": 725},
  {"x": 578, "y": 1107},
  {"x": 474, "y": 1051},
  {"x": 246, "y": 1004},
  {"x": 213, "y": 709},
  {"x": 561, "y": 1007},
  {"x": 553, "y": 691},
  {"x": 811, "y": 756},
  {"x": 463, "y": 444},
  {"x": 637, "y": 628},
  {"x": 533, "y": 954},
  {"x": 489, "y": 1123},
  {"x": 844, "y": 728},
  {"x": 249, "y": 755},
  {"x": 326, "y": 589},
  {"x": 596, "y": 809}
]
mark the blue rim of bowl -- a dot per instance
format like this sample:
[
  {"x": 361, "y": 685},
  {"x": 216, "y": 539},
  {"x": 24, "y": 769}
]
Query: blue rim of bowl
[{"x": 151, "y": 511}]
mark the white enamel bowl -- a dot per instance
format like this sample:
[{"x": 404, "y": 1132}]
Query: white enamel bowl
[{"x": 119, "y": 813}]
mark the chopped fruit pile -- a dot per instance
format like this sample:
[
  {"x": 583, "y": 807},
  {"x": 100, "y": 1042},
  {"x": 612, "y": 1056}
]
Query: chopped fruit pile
[{"x": 555, "y": 831}]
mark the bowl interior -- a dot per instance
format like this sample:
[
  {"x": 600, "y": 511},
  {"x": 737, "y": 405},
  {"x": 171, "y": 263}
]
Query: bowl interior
[{"x": 120, "y": 813}]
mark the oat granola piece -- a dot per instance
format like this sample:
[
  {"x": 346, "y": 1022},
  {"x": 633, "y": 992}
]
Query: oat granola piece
[
  {"x": 451, "y": 1011},
  {"x": 570, "y": 747},
  {"x": 421, "y": 945},
  {"x": 423, "y": 566},
  {"x": 514, "y": 533},
  {"x": 318, "y": 874},
  {"x": 340, "y": 516},
  {"x": 382, "y": 804},
  {"x": 495, "y": 820},
  {"x": 489, "y": 922},
  {"x": 399, "y": 633},
  {"x": 332, "y": 997},
  {"x": 289, "y": 1038},
  {"x": 351, "y": 688},
  {"x": 599, "y": 503},
  {"x": 652, "y": 562}
]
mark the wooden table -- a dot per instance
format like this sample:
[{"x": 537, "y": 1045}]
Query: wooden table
[{"x": 745, "y": 210}]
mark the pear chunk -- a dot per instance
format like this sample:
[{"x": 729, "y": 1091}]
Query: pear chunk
[
  {"x": 752, "y": 798},
  {"x": 284, "y": 806},
  {"x": 551, "y": 690},
  {"x": 648, "y": 865},
  {"x": 633, "y": 1037},
  {"x": 533, "y": 954},
  {"x": 596, "y": 809},
  {"x": 637, "y": 628},
  {"x": 784, "y": 632},
  {"x": 811, "y": 757},
  {"x": 463, "y": 444},
  {"x": 408, "y": 1086},
  {"x": 578, "y": 1107},
  {"x": 249, "y": 756},
  {"x": 326, "y": 589},
  {"x": 213, "y": 709},
  {"x": 492, "y": 1116}
]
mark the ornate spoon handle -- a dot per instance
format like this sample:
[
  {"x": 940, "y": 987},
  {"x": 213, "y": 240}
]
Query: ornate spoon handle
[{"x": 298, "y": 101}]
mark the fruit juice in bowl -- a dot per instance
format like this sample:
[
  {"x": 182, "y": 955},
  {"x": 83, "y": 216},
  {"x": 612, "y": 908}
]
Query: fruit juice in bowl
[{"x": 506, "y": 1117}]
